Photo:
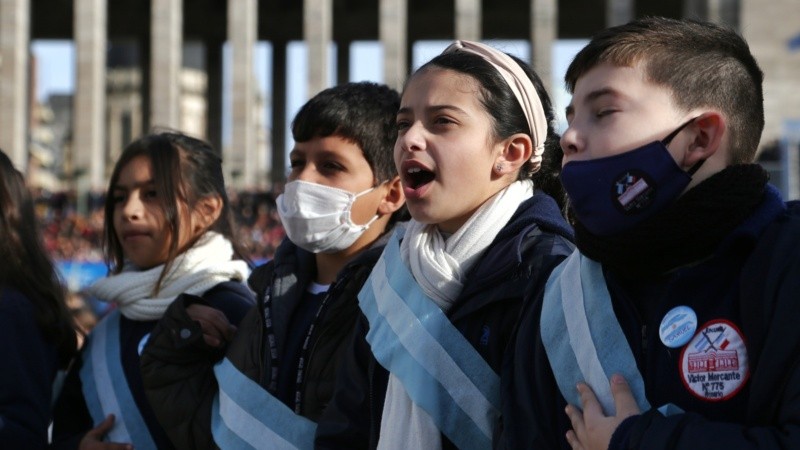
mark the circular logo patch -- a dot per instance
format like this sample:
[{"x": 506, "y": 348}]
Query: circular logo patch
[
  {"x": 632, "y": 192},
  {"x": 714, "y": 364},
  {"x": 677, "y": 326}
]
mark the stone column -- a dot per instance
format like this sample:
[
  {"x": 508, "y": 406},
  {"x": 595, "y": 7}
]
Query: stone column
[
  {"x": 242, "y": 30},
  {"x": 342, "y": 62},
  {"x": 693, "y": 9},
  {"x": 89, "y": 121},
  {"x": 214, "y": 93},
  {"x": 146, "y": 63},
  {"x": 544, "y": 31},
  {"x": 166, "y": 48},
  {"x": 468, "y": 19},
  {"x": 278, "y": 113},
  {"x": 770, "y": 29},
  {"x": 618, "y": 12},
  {"x": 114, "y": 142},
  {"x": 317, "y": 32},
  {"x": 714, "y": 10},
  {"x": 15, "y": 18},
  {"x": 393, "y": 31}
]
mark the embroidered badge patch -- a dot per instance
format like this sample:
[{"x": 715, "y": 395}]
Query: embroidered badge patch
[
  {"x": 714, "y": 364},
  {"x": 633, "y": 192}
]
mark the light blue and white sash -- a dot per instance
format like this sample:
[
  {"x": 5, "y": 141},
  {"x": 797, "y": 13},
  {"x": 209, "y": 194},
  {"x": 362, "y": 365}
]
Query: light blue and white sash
[
  {"x": 105, "y": 387},
  {"x": 582, "y": 337},
  {"x": 440, "y": 370},
  {"x": 245, "y": 416}
]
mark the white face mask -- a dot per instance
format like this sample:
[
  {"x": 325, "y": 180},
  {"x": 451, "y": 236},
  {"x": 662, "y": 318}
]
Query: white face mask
[{"x": 317, "y": 218}]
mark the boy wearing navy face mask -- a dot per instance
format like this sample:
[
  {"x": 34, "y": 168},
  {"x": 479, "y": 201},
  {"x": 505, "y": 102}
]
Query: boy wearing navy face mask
[
  {"x": 674, "y": 324},
  {"x": 341, "y": 201}
]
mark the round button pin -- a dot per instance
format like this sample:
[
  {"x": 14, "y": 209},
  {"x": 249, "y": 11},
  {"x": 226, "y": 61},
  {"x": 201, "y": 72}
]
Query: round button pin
[{"x": 678, "y": 326}]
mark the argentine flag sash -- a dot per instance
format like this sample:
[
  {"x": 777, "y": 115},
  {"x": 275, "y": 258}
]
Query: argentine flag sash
[
  {"x": 105, "y": 386},
  {"x": 413, "y": 339},
  {"x": 246, "y": 416},
  {"x": 582, "y": 337}
]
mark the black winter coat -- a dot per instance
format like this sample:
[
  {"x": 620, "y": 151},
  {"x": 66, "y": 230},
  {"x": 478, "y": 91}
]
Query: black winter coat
[
  {"x": 752, "y": 281},
  {"x": 71, "y": 418},
  {"x": 179, "y": 378},
  {"x": 513, "y": 269},
  {"x": 30, "y": 363}
]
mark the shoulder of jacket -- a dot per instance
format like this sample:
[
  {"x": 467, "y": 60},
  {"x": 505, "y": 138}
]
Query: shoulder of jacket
[
  {"x": 539, "y": 240},
  {"x": 261, "y": 276}
]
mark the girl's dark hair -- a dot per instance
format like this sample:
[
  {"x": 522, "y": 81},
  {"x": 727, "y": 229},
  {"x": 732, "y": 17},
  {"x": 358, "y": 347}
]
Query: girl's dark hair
[
  {"x": 26, "y": 265},
  {"x": 185, "y": 170},
  {"x": 509, "y": 119}
]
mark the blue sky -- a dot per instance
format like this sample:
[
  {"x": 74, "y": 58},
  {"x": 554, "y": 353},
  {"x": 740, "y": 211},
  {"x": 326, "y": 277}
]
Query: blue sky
[{"x": 56, "y": 69}]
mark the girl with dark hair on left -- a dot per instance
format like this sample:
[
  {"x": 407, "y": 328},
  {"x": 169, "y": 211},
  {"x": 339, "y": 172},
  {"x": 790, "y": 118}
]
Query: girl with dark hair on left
[
  {"x": 168, "y": 233},
  {"x": 35, "y": 327}
]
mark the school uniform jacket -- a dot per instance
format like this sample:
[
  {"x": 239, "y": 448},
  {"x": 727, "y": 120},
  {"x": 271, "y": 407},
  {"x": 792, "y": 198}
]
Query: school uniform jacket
[
  {"x": 513, "y": 269},
  {"x": 71, "y": 416},
  {"x": 179, "y": 379},
  {"x": 737, "y": 378},
  {"x": 30, "y": 363}
]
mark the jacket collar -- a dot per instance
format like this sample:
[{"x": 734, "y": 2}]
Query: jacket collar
[{"x": 503, "y": 259}]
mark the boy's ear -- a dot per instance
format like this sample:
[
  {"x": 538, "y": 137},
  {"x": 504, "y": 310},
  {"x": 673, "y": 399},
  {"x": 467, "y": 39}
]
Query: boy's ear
[
  {"x": 710, "y": 128},
  {"x": 206, "y": 212},
  {"x": 517, "y": 150},
  {"x": 393, "y": 199}
]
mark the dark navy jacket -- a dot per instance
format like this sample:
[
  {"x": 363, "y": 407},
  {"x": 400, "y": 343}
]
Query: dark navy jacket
[
  {"x": 513, "y": 269},
  {"x": 29, "y": 367},
  {"x": 180, "y": 379},
  {"x": 71, "y": 418},
  {"x": 750, "y": 288}
]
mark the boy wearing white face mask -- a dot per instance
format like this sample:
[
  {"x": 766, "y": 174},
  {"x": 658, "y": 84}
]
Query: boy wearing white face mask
[{"x": 342, "y": 198}]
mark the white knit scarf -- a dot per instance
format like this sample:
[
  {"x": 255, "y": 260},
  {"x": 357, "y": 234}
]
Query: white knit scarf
[
  {"x": 194, "y": 271},
  {"x": 440, "y": 266}
]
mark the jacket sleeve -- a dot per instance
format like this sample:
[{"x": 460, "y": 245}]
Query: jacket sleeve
[
  {"x": 532, "y": 409},
  {"x": 26, "y": 376},
  {"x": 652, "y": 430},
  {"x": 71, "y": 417},
  {"x": 178, "y": 374},
  {"x": 351, "y": 420}
]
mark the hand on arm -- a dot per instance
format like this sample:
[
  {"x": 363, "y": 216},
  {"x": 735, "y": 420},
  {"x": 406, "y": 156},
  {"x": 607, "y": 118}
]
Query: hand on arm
[
  {"x": 93, "y": 440},
  {"x": 591, "y": 429},
  {"x": 217, "y": 330}
]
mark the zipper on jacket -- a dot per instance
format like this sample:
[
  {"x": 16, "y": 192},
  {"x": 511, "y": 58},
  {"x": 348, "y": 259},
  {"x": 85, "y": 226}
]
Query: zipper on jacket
[
  {"x": 644, "y": 342},
  {"x": 319, "y": 319},
  {"x": 372, "y": 410}
]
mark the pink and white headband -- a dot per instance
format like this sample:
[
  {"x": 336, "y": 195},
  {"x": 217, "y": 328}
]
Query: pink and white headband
[{"x": 520, "y": 85}]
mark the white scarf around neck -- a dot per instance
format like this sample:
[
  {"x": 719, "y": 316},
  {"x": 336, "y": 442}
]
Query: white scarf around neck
[
  {"x": 440, "y": 266},
  {"x": 194, "y": 271}
]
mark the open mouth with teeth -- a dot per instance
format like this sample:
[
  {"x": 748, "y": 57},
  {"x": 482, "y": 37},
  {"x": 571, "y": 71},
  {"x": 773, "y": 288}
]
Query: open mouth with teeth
[{"x": 417, "y": 177}]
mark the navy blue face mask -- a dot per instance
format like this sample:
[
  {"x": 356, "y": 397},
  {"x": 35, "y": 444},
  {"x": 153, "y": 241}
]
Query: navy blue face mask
[{"x": 614, "y": 194}]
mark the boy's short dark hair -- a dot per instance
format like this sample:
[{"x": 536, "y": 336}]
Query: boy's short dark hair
[
  {"x": 363, "y": 113},
  {"x": 703, "y": 65}
]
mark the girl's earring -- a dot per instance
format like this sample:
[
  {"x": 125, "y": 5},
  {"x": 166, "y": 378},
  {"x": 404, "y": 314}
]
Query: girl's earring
[{"x": 499, "y": 168}]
